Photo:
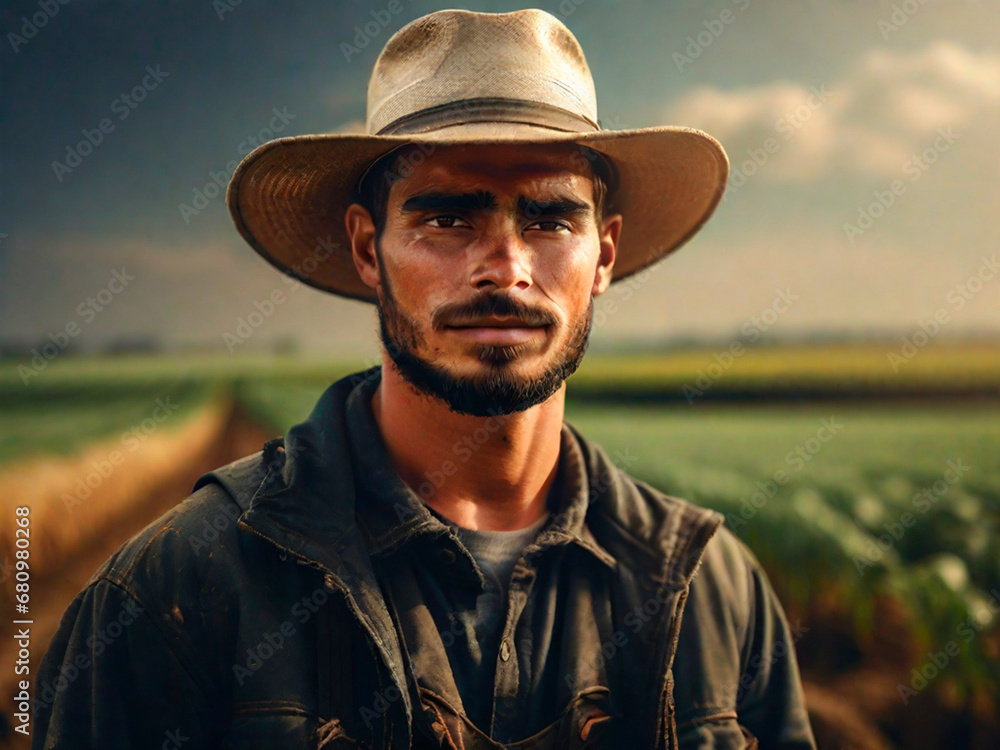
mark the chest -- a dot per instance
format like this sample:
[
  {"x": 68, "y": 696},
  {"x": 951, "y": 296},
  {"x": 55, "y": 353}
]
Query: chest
[
  {"x": 568, "y": 655},
  {"x": 586, "y": 664}
]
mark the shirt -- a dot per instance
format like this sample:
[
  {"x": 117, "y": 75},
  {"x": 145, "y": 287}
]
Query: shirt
[
  {"x": 434, "y": 585},
  {"x": 496, "y": 554}
]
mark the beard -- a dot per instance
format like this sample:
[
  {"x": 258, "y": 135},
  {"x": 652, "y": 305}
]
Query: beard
[{"x": 499, "y": 389}]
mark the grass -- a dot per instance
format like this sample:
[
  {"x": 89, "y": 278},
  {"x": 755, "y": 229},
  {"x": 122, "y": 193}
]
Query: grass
[
  {"x": 818, "y": 529},
  {"x": 829, "y": 368},
  {"x": 59, "y": 419},
  {"x": 78, "y": 400}
]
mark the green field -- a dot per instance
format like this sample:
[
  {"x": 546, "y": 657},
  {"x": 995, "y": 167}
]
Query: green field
[
  {"x": 78, "y": 399},
  {"x": 824, "y": 505}
]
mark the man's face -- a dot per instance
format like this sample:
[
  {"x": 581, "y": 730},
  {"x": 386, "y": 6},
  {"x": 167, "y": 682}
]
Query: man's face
[{"x": 487, "y": 269}]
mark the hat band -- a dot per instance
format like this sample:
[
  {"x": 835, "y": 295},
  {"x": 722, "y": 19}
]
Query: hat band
[{"x": 487, "y": 109}]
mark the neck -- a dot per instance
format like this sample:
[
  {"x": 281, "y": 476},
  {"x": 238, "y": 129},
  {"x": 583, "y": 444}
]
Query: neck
[{"x": 485, "y": 473}]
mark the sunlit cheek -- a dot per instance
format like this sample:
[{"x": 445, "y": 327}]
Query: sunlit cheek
[
  {"x": 413, "y": 270},
  {"x": 568, "y": 272},
  {"x": 434, "y": 260}
]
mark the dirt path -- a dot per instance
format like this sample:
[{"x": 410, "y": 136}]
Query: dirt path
[{"x": 65, "y": 553}]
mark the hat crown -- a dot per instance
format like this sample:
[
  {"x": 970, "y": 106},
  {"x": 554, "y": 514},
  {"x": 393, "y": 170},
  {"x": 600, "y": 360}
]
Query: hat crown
[{"x": 475, "y": 64}]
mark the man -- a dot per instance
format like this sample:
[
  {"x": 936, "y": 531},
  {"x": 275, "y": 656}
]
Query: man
[{"x": 435, "y": 559}]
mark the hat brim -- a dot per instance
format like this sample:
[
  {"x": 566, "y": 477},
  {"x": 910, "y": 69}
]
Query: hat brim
[{"x": 288, "y": 197}]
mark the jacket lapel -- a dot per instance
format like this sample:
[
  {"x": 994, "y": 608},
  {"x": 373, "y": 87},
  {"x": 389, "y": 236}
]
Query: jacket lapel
[
  {"x": 658, "y": 542},
  {"x": 305, "y": 505}
]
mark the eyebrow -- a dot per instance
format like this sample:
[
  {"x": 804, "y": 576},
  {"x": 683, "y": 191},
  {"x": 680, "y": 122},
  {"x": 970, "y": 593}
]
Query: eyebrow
[
  {"x": 557, "y": 207},
  {"x": 484, "y": 200},
  {"x": 481, "y": 200}
]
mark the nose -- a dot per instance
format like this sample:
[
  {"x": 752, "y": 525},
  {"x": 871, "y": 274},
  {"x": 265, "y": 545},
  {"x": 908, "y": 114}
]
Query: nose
[{"x": 503, "y": 261}]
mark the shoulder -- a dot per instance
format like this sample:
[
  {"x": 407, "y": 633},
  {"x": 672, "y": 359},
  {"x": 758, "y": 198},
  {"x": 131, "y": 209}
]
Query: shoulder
[
  {"x": 731, "y": 607},
  {"x": 714, "y": 628},
  {"x": 201, "y": 529},
  {"x": 196, "y": 528},
  {"x": 733, "y": 583},
  {"x": 722, "y": 595},
  {"x": 735, "y": 667},
  {"x": 184, "y": 568}
]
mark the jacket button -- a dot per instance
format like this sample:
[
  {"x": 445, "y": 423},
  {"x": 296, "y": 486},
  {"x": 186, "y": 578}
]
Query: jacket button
[
  {"x": 505, "y": 649},
  {"x": 447, "y": 556}
]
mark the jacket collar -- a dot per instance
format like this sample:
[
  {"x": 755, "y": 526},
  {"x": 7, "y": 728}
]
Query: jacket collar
[
  {"x": 308, "y": 500},
  {"x": 391, "y": 513}
]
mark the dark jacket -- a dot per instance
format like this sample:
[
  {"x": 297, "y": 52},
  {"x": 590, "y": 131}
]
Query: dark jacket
[{"x": 249, "y": 617}]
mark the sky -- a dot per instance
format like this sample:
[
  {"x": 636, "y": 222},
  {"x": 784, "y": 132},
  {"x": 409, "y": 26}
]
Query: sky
[{"x": 863, "y": 140}]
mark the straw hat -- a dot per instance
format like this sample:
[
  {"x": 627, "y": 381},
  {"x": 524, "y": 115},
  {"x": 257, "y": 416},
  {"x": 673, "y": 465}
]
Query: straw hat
[{"x": 455, "y": 76}]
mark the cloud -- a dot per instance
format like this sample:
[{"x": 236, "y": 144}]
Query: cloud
[
  {"x": 888, "y": 106},
  {"x": 744, "y": 119},
  {"x": 942, "y": 63}
]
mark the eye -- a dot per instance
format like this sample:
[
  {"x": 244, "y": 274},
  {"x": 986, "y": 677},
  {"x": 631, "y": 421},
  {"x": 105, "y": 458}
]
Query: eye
[
  {"x": 550, "y": 225},
  {"x": 446, "y": 221}
]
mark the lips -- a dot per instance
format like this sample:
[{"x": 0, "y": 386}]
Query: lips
[
  {"x": 495, "y": 322},
  {"x": 497, "y": 330}
]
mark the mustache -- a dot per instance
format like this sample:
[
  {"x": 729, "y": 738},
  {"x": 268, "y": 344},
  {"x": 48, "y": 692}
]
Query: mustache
[{"x": 492, "y": 304}]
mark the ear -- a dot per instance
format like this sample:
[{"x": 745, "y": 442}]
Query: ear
[
  {"x": 609, "y": 232},
  {"x": 361, "y": 230}
]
